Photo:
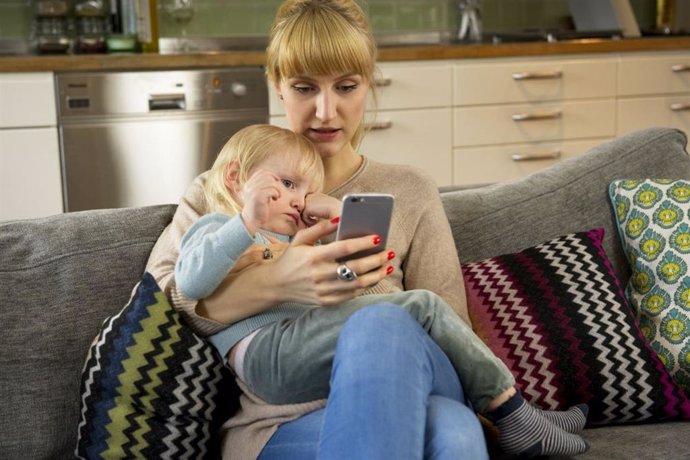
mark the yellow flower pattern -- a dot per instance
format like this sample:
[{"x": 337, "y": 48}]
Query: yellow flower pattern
[{"x": 653, "y": 217}]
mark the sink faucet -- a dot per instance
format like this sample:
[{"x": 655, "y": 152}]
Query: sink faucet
[{"x": 470, "y": 20}]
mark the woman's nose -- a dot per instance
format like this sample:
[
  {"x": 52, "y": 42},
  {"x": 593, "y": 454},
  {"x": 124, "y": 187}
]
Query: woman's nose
[{"x": 325, "y": 106}]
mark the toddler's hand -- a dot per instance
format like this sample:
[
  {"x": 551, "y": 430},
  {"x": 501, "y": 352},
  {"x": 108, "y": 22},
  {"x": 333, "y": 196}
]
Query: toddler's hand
[
  {"x": 256, "y": 194},
  {"x": 319, "y": 206}
]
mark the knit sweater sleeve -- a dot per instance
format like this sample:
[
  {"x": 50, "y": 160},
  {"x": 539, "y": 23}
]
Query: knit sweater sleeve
[{"x": 208, "y": 251}]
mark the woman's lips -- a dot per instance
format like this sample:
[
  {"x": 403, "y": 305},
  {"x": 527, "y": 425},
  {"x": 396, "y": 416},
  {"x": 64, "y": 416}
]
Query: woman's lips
[{"x": 323, "y": 134}]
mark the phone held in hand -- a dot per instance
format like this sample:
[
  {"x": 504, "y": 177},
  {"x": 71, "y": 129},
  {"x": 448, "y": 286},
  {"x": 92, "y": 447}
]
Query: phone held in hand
[{"x": 365, "y": 214}]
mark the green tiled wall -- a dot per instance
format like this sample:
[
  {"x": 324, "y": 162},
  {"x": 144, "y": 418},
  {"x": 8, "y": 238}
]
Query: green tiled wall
[
  {"x": 244, "y": 17},
  {"x": 15, "y": 18}
]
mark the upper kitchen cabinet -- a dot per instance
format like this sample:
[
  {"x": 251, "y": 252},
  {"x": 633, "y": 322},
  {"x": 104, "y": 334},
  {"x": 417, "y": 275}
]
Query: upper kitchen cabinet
[
  {"x": 409, "y": 122},
  {"x": 30, "y": 179},
  {"x": 515, "y": 116},
  {"x": 654, "y": 90}
]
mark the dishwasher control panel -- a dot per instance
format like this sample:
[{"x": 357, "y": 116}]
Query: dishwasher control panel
[{"x": 161, "y": 91}]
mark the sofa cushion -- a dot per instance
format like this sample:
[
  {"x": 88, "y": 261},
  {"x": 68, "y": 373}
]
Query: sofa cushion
[
  {"x": 151, "y": 388},
  {"x": 653, "y": 217},
  {"x": 60, "y": 277},
  {"x": 557, "y": 316},
  {"x": 567, "y": 198}
]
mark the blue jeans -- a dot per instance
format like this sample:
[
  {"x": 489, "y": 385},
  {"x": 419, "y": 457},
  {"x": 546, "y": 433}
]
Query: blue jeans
[{"x": 394, "y": 394}]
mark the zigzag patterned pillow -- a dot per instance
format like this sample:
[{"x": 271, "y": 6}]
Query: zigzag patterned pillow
[
  {"x": 150, "y": 387},
  {"x": 557, "y": 316}
]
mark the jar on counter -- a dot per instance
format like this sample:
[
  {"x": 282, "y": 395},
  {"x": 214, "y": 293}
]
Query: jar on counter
[
  {"x": 52, "y": 26},
  {"x": 91, "y": 17}
]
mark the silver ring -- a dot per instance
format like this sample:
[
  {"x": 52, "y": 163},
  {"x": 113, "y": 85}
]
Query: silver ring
[
  {"x": 345, "y": 273},
  {"x": 267, "y": 254}
]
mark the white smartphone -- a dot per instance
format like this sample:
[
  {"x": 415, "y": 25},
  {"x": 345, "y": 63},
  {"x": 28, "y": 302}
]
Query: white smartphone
[{"x": 365, "y": 214}]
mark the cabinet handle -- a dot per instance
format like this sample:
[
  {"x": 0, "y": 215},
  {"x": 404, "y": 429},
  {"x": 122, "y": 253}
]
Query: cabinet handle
[
  {"x": 536, "y": 116},
  {"x": 679, "y": 107},
  {"x": 680, "y": 68},
  {"x": 555, "y": 74},
  {"x": 378, "y": 125},
  {"x": 552, "y": 155},
  {"x": 385, "y": 81}
]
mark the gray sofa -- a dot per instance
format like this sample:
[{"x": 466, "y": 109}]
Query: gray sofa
[{"x": 61, "y": 276}]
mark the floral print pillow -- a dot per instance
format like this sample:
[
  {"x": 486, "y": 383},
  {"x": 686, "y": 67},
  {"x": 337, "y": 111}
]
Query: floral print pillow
[{"x": 653, "y": 217}]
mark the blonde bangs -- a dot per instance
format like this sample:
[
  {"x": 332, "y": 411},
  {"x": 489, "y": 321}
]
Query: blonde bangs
[{"x": 320, "y": 44}]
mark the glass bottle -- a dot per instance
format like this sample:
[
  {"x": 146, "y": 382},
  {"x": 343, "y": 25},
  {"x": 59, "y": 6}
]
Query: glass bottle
[{"x": 147, "y": 25}]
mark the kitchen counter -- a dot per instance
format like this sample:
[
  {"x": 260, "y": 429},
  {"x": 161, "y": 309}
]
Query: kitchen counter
[{"x": 69, "y": 63}]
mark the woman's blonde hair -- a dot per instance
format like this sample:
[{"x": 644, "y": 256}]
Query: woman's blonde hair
[
  {"x": 321, "y": 37},
  {"x": 249, "y": 147}
]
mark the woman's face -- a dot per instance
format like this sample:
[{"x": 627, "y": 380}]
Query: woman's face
[{"x": 326, "y": 109}]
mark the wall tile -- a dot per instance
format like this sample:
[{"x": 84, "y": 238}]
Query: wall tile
[{"x": 244, "y": 17}]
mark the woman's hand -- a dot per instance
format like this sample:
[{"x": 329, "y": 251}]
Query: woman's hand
[
  {"x": 303, "y": 273},
  {"x": 256, "y": 254},
  {"x": 307, "y": 273}
]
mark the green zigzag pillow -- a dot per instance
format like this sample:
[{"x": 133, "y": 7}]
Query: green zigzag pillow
[{"x": 150, "y": 387}]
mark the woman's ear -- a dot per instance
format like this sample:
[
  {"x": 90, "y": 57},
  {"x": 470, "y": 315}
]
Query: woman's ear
[{"x": 232, "y": 172}]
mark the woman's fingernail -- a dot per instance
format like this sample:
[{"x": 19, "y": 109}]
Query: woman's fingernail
[
  {"x": 391, "y": 254},
  {"x": 335, "y": 220},
  {"x": 389, "y": 270},
  {"x": 377, "y": 239}
]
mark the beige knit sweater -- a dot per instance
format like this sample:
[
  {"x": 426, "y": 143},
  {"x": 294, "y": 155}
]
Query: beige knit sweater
[{"x": 425, "y": 259}]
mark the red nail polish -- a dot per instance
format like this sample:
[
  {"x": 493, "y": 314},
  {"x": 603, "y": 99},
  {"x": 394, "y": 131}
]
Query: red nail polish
[
  {"x": 391, "y": 254},
  {"x": 377, "y": 239},
  {"x": 335, "y": 220},
  {"x": 389, "y": 270}
]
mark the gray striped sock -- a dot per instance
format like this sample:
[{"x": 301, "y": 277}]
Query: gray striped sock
[
  {"x": 524, "y": 431},
  {"x": 572, "y": 420}
]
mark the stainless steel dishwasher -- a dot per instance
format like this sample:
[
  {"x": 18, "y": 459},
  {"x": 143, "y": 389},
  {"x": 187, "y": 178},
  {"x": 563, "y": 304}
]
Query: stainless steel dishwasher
[{"x": 140, "y": 138}]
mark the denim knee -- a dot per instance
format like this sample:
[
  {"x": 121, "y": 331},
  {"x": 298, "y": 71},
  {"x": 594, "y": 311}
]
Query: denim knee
[{"x": 379, "y": 316}]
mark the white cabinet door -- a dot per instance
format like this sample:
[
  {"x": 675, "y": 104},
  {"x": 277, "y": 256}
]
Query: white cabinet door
[
  {"x": 486, "y": 165},
  {"x": 646, "y": 112},
  {"x": 420, "y": 138},
  {"x": 30, "y": 180},
  {"x": 501, "y": 124},
  {"x": 654, "y": 74},
  {"x": 501, "y": 81},
  {"x": 27, "y": 99}
]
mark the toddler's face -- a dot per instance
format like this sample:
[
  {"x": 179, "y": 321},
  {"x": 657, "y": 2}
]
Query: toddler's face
[{"x": 285, "y": 210}]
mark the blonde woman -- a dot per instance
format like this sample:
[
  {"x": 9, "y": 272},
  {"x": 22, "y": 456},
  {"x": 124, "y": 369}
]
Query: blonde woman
[{"x": 393, "y": 392}]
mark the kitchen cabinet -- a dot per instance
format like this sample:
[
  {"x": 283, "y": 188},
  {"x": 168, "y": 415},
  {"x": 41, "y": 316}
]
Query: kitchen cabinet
[
  {"x": 654, "y": 90},
  {"x": 30, "y": 178},
  {"x": 410, "y": 120},
  {"x": 513, "y": 117}
]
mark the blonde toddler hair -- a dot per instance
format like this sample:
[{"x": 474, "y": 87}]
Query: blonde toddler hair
[{"x": 250, "y": 146}]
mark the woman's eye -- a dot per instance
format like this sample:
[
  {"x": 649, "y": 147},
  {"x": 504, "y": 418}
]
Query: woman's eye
[
  {"x": 302, "y": 89},
  {"x": 287, "y": 183},
  {"x": 348, "y": 88}
]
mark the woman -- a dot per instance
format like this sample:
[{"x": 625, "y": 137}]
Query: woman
[{"x": 321, "y": 62}]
